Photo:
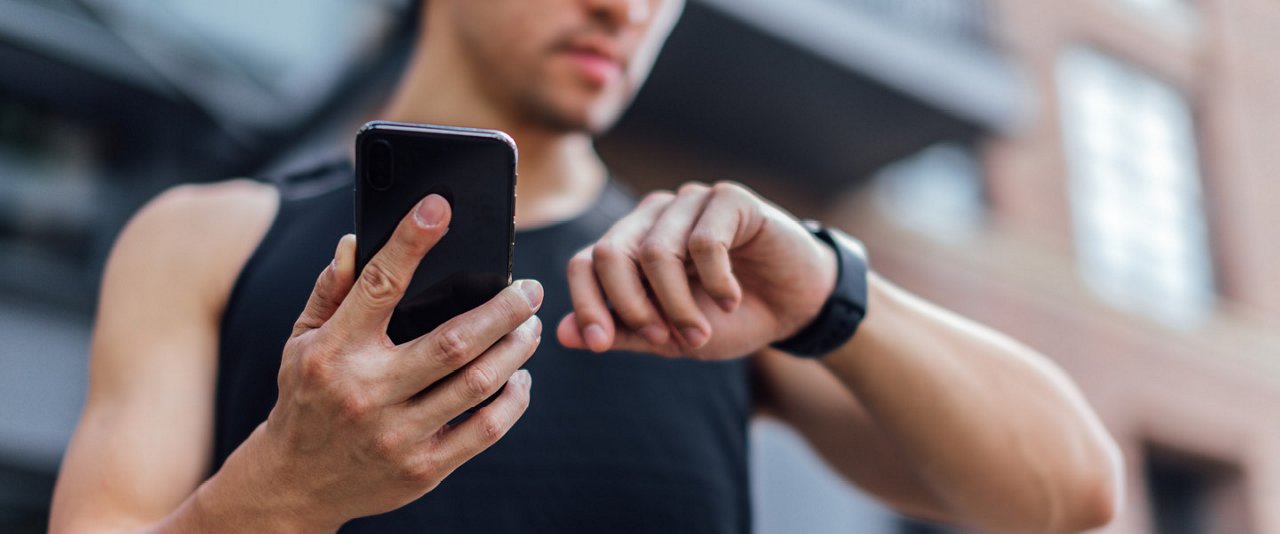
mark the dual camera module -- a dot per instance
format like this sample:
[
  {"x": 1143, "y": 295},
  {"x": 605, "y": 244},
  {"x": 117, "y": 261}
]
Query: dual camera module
[{"x": 380, "y": 163}]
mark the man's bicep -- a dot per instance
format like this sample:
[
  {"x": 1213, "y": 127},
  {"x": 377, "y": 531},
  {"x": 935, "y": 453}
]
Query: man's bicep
[{"x": 144, "y": 440}]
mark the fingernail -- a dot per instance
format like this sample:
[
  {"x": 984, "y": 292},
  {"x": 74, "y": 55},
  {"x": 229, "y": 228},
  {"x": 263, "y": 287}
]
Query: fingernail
[
  {"x": 430, "y": 211},
  {"x": 596, "y": 339},
  {"x": 726, "y": 304},
  {"x": 532, "y": 291},
  {"x": 654, "y": 334},
  {"x": 693, "y": 336},
  {"x": 532, "y": 324},
  {"x": 522, "y": 378}
]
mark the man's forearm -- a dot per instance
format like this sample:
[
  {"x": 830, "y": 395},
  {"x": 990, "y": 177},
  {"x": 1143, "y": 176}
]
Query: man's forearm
[
  {"x": 999, "y": 433},
  {"x": 246, "y": 495}
]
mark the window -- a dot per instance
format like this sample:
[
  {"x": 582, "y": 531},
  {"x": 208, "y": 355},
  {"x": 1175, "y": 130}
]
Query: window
[{"x": 1139, "y": 222}]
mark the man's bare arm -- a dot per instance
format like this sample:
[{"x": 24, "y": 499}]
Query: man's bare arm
[
  {"x": 951, "y": 421},
  {"x": 955, "y": 422},
  {"x": 144, "y": 440},
  {"x": 354, "y": 431}
]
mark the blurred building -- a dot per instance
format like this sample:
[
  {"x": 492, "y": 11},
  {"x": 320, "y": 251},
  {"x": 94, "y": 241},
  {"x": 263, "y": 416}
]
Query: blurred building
[
  {"x": 1090, "y": 177},
  {"x": 1128, "y": 230}
]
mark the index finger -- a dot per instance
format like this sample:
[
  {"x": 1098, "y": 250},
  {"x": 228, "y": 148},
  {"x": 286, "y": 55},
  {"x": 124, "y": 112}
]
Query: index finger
[{"x": 367, "y": 309}]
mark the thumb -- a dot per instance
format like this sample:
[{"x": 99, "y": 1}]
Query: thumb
[{"x": 331, "y": 287}]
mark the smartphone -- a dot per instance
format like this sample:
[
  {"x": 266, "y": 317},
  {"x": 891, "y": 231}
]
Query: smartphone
[{"x": 399, "y": 164}]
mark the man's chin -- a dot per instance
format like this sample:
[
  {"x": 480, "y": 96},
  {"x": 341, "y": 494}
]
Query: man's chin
[
  {"x": 577, "y": 108},
  {"x": 577, "y": 119}
]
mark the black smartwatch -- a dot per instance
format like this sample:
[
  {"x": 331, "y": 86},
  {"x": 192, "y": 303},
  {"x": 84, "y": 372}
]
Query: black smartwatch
[{"x": 844, "y": 309}]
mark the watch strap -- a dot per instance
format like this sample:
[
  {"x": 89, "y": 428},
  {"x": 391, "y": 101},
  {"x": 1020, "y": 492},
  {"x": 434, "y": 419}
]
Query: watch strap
[{"x": 844, "y": 309}]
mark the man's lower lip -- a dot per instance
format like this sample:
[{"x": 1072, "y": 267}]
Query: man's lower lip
[{"x": 594, "y": 67}]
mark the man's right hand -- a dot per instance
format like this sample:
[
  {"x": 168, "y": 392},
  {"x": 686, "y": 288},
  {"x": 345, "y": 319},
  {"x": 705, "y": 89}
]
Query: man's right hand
[{"x": 361, "y": 424}]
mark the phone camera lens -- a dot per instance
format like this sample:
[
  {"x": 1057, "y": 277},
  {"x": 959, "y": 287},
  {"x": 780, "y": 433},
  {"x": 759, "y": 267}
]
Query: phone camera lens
[{"x": 381, "y": 176}]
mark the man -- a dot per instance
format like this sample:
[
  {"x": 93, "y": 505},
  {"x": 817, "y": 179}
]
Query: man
[{"x": 215, "y": 406}]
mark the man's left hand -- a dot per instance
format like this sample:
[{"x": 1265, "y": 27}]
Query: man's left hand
[{"x": 712, "y": 272}]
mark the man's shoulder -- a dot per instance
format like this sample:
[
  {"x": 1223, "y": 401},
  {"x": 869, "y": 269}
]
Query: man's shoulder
[
  {"x": 196, "y": 202},
  {"x": 192, "y": 217},
  {"x": 196, "y": 234}
]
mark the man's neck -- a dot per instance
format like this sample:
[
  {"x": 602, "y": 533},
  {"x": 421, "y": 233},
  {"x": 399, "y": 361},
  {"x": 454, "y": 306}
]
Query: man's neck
[{"x": 560, "y": 174}]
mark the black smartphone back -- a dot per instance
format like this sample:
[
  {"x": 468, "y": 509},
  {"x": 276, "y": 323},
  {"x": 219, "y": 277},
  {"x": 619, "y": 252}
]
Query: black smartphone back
[{"x": 398, "y": 164}]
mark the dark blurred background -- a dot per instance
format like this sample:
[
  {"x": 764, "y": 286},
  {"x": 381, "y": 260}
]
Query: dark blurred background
[{"x": 1098, "y": 178}]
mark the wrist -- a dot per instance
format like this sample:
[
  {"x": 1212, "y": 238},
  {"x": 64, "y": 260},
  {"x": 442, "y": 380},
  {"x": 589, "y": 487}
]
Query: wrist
[
  {"x": 828, "y": 273},
  {"x": 875, "y": 353},
  {"x": 252, "y": 493},
  {"x": 822, "y": 272},
  {"x": 871, "y": 327},
  {"x": 843, "y": 304}
]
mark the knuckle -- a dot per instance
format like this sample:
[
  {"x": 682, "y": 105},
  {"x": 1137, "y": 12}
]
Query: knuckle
[
  {"x": 580, "y": 263},
  {"x": 379, "y": 285},
  {"x": 606, "y": 251},
  {"x": 420, "y": 472},
  {"x": 314, "y": 368},
  {"x": 492, "y": 428},
  {"x": 424, "y": 469},
  {"x": 635, "y": 314},
  {"x": 702, "y": 243},
  {"x": 729, "y": 187},
  {"x": 388, "y": 443},
  {"x": 295, "y": 349},
  {"x": 692, "y": 188},
  {"x": 354, "y": 405},
  {"x": 734, "y": 192},
  {"x": 452, "y": 347},
  {"x": 658, "y": 197},
  {"x": 656, "y": 251},
  {"x": 478, "y": 381}
]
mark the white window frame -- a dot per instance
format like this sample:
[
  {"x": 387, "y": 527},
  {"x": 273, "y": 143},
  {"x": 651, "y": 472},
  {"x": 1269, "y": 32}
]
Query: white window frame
[{"x": 1135, "y": 189}]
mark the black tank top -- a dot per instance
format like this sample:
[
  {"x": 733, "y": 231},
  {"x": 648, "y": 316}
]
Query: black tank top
[{"x": 618, "y": 442}]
